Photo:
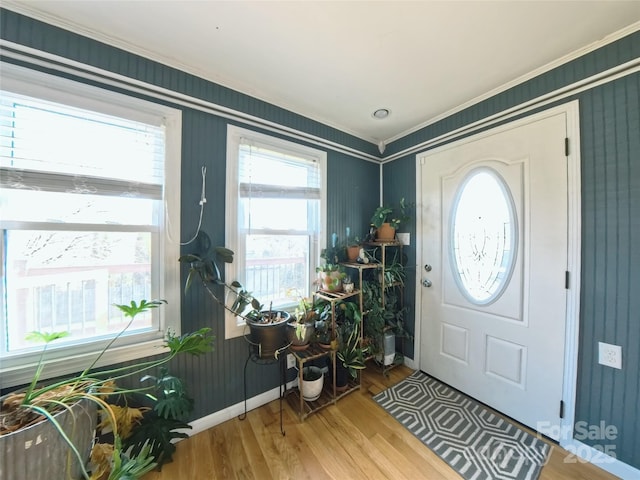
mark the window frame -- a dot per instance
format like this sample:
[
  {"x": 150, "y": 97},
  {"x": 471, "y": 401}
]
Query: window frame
[
  {"x": 235, "y": 327},
  {"x": 18, "y": 369}
]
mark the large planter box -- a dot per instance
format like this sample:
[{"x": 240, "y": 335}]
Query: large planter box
[{"x": 40, "y": 453}]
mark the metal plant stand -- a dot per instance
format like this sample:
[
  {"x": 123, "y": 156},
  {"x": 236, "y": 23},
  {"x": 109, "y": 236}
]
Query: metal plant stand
[{"x": 280, "y": 359}]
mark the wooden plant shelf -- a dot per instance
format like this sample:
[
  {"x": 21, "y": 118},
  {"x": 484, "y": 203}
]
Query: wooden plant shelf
[{"x": 303, "y": 407}]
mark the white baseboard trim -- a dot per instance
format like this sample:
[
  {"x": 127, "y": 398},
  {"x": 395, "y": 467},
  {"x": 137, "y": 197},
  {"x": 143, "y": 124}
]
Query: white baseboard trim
[
  {"x": 409, "y": 362},
  {"x": 221, "y": 416},
  {"x": 582, "y": 453}
]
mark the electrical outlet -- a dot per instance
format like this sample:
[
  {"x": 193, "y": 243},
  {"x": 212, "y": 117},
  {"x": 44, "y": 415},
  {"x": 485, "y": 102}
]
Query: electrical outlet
[
  {"x": 291, "y": 362},
  {"x": 610, "y": 355}
]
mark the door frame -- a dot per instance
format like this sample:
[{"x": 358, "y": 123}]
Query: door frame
[{"x": 574, "y": 242}]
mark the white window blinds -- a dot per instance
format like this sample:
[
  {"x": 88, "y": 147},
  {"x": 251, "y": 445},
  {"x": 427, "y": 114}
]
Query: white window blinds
[
  {"x": 267, "y": 173},
  {"x": 44, "y": 145}
]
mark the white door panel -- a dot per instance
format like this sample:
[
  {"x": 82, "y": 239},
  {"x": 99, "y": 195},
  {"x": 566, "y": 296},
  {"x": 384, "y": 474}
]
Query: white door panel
[{"x": 499, "y": 333}]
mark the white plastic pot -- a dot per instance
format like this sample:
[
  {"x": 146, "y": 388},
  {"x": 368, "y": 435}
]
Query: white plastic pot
[{"x": 312, "y": 389}]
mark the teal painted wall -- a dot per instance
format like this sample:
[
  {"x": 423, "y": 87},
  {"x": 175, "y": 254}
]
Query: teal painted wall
[
  {"x": 610, "y": 281},
  {"x": 610, "y": 304},
  {"x": 399, "y": 181}
]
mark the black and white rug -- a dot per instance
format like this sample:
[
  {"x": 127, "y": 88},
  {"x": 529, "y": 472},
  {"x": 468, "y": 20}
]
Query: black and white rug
[{"x": 471, "y": 438}]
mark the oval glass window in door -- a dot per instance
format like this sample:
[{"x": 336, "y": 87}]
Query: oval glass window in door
[{"x": 483, "y": 238}]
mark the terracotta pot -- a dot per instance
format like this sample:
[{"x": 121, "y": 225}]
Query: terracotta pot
[
  {"x": 385, "y": 233},
  {"x": 353, "y": 252}
]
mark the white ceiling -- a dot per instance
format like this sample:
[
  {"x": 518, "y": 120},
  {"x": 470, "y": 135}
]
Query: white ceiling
[{"x": 338, "y": 61}]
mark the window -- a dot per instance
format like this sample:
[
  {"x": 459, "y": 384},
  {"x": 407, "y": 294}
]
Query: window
[
  {"x": 275, "y": 213},
  {"x": 484, "y": 236},
  {"x": 84, "y": 214}
]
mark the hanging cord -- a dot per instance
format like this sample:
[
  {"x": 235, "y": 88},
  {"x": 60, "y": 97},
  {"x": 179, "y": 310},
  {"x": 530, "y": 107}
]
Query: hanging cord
[{"x": 203, "y": 200}]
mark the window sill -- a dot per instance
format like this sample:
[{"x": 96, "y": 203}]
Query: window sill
[{"x": 75, "y": 363}]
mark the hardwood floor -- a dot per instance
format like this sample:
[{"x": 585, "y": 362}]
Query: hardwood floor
[{"x": 353, "y": 439}]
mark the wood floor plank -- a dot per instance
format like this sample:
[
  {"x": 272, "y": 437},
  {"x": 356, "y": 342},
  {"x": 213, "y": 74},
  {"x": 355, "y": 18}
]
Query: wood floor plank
[
  {"x": 407, "y": 467},
  {"x": 354, "y": 439},
  {"x": 354, "y": 443},
  {"x": 279, "y": 455},
  {"x": 336, "y": 460}
]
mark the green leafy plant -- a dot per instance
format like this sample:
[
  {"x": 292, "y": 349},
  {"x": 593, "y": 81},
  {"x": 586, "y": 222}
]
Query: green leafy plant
[
  {"x": 331, "y": 276},
  {"x": 156, "y": 434},
  {"x": 395, "y": 216},
  {"x": 394, "y": 315},
  {"x": 235, "y": 299},
  {"x": 129, "y": 465},
  {"x": 350, "y": 351},
  {"x": 349, "y": 312},
  {"x": 170, "y": 396},
  {"x": 394, "y": 274},
  {"x": 35, "y": 404},
  {"x": 204, "y": 264},
  {"x": 323, "y": 319},
  {"x": 304, "y": 317}
]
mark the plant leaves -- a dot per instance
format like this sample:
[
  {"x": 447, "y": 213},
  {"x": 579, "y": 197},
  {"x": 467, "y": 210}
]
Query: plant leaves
[
  {"x": 134, "y": 309},
  {"x": 171, "y": 400},
  {"x": 224, "y": 254},
  {"x": 126, "y": 419},
  {"x": 101, "y": 454},
  {"x": 157, "y": 434},
  {"x": 45, "y": 337},
  {"x": 131, "y": 467},
  {"x": 174, "y": 406},
  {"x": 195, "y": 343}
]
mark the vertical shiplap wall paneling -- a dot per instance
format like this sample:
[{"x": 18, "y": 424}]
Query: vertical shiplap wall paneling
[
  {"x": 399, "y": 180},
  {"x": 215, "y": 377},
  {"x": 214, "y": 380},
  {"x": 354, "y": 188},
  {"x": 610, "y": 304}
]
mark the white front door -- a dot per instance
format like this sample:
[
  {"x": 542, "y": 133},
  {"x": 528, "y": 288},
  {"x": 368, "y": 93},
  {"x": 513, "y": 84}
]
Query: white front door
[{"x": 494, "y": 251}]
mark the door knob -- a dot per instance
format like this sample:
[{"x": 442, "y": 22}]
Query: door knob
[
  {"x": 427, "y": 267},
  {"x": 426, "y": 283}
]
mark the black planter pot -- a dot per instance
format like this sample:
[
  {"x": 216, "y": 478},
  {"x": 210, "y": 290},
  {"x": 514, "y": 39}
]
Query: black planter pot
[
  {"x": 342, "y": 376},
  {"x": 267, "y": 337}
]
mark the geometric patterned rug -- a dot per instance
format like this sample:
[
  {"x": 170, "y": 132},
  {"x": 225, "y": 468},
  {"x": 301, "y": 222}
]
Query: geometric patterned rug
[{"x": 471, "y": 438}]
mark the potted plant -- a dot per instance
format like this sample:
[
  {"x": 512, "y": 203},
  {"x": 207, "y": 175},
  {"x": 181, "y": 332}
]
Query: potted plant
[
  {"x": 334, "y": 255},
  {"x": 312, "y": 383},
  {"x": 351, "y": 353},
  {"x": 331, "y": 277},
  {"x": 322, "y": 324},
  {"x": 267, "y": 331},
  {"x": 53, "y": 419},
  {"x": 348, "y": 285},
  {"x": 394, "y": 315},
  {"x": 352, "y": 246},
  {"x": 267, "y": 327},
  {"x": 301, "y": 328},
  {"x": 387, "y": 220},
  {"x": 376, "y": 316},
  {"x": 394, "y": 274}
]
